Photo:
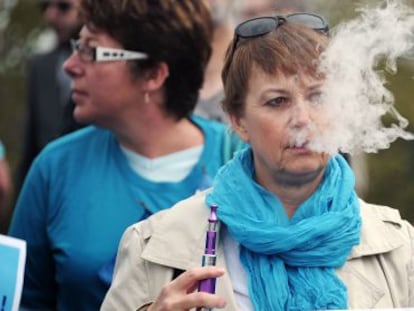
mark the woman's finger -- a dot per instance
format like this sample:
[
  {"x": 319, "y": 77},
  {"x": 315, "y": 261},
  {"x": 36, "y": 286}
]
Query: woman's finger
[{"x": 190, "y": 278}]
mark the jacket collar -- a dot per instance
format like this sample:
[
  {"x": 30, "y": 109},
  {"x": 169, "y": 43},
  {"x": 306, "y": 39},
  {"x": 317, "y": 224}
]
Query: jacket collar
[
  {"x": 377, "y": 235},
  {"x": 189, "y": 225},
  {"x": 185, "y": 227}
]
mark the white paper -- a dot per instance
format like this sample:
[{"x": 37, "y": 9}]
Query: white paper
[{"x": 12, "y": 262}]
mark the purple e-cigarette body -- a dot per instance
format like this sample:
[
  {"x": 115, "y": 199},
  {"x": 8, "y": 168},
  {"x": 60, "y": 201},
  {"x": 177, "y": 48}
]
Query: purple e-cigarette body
[{"x": 209, "y": 256}]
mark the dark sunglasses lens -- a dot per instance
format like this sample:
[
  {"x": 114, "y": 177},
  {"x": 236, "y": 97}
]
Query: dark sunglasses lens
[
  {"x": 63, "y": 6},
  {"x": 43, "y": 5},
  {"x": 312, "y": 21},
  {"x": 256, "y": 27}
]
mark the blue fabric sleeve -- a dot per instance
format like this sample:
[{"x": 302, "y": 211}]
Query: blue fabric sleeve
[
  {"x": 30, "y": 223},
  {"x": 2, "y": 151}
]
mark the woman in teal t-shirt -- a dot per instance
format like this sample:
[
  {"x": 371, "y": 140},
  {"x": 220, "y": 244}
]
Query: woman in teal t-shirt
[{"x": 136, "y": 72}]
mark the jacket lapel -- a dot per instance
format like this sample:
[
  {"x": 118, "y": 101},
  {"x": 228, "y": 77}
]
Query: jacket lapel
[
  {"x": 187, "y": 226},
  {"x": 377, "y": 237}
]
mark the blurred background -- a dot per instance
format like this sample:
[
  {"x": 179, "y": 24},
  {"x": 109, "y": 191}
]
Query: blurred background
[{"x": 390, "y": 172}]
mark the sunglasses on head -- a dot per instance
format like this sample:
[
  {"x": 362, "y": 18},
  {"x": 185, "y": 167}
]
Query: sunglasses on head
[
  {"x": 62, "y": 6},
  {"x": 261, "y": 26}
]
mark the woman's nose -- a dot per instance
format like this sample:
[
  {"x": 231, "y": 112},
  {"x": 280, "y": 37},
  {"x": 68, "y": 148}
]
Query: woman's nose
[
  {"x": 72, "y": 65},
  {"x": 301, "y": 114},
  {"x": 52, "y": 15}
]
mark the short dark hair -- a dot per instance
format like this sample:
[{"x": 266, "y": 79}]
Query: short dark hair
[
  {"x": 290, "y": 49},
  {"x": 178, "y": 32}
]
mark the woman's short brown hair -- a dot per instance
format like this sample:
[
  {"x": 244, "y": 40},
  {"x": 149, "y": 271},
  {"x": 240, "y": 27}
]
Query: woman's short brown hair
[
  {"x": 289, "y": 49},
  {"x": 177, "y": 32}
]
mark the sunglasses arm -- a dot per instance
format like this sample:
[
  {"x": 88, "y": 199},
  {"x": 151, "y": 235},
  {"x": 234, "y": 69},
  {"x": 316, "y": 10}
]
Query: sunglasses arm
[{"x": 102, "y": 54}]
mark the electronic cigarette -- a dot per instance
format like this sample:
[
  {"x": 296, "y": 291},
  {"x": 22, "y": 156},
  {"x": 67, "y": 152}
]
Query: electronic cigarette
[{"x": 209, "y": 256}]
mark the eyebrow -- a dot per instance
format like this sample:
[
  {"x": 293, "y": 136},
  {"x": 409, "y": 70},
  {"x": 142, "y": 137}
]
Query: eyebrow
[
  {"x": 87, "y": 35},
  {"x": 275, "y": 90},
  {"x": 312, "y": 87},
  {"x": 83, "y": 38},
  {"x": 315, "y": 86}
]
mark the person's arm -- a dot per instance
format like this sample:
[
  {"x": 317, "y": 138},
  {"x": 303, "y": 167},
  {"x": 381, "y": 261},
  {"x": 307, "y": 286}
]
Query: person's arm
[
  {"x": 5, "y": 179},
  {"x": 32, "y": 221}
]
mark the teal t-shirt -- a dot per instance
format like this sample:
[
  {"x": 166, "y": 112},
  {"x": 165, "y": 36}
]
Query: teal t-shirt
[{"x": 78, "y": 198}]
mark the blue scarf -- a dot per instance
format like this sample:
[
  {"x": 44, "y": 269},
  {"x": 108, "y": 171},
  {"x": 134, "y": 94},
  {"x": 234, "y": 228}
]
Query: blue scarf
[{"x": 290, "y": 263}]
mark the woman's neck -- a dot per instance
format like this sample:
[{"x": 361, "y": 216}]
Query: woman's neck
[
  {"x": 159, "y": 135},
  {"x": 292, "y": 195},
  {"x": 292, "y": 198}
]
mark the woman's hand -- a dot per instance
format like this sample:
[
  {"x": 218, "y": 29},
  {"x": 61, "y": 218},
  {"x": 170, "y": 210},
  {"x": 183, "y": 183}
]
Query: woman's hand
[
  {"x": 180, "y": 294},
  {"x": 5, "y": 184}
]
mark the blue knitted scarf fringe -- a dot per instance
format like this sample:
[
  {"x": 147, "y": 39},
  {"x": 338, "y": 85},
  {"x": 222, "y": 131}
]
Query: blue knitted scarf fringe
[{"x": 290, "y": 263}]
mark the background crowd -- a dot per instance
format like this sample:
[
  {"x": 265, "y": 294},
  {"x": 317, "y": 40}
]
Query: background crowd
[
  {"x": 141, "y": 114},
  {"x": 23, "y": 32}
]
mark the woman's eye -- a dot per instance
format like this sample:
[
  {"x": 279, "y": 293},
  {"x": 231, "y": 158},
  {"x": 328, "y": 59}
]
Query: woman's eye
[
  {"x": 315, "y": 98},
  {"x": 87, "y": 49},
  {"x": 278, "y": 101}
]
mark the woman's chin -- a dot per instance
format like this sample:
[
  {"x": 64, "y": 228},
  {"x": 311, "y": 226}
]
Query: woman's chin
[{"x": 306, "y": 165}]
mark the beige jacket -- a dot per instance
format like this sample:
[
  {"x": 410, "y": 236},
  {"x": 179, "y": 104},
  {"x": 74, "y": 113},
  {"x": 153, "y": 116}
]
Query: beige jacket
[{"x": 379, "y": 272}]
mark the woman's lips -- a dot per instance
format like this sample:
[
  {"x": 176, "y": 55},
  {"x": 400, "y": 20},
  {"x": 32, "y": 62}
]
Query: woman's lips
[
  {"x": 78, "y": 94},
  {"x": 78, "y": 91},
  {"x": 300, "y": 148}
]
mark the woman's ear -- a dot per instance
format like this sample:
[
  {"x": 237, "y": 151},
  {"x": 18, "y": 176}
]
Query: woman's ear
[
  {"x": 238, "y": 125},
  {"x": 155, "y": 77}
]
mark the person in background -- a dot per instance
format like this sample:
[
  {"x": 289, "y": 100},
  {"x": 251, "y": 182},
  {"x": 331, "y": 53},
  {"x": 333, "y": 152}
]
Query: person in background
[
  {"x": 293, "y": 233},
  {"x": 5, "y": 179},
  {"x": 48, "y": 104},
  {"x": 211, "y": 94},
  {"x": 136, "y": 72}
]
